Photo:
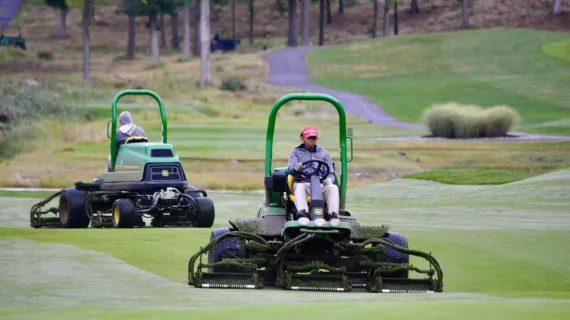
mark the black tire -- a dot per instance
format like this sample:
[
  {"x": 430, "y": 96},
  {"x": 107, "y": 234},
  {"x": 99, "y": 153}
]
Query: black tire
[
  {"x": 230, "y": 247},
  {"x": 123, "y": 213},
  {"x": 206, "y": 213},
  {"x": 72, "y": 212},
  {"x": 394, "y": 256},
  {"x": 189, "y": 192}
]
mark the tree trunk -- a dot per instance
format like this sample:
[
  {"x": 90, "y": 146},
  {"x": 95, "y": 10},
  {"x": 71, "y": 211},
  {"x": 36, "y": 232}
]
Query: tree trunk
[
  {"x": 197, "y": 28},
  {"x": 62, "y": 26},
  {"x": 556, "y": 7},
  {"x": 465, "y": 14},
  {"x": 174, "y": 24},
  {"x": 396, "y": 26},
  {"x": 186, "y": 22},
  {"x": 305, "y": 20},
  {"x": 233, "y": 19},
  {"x": 414, "y": 7},
  {"x": 321, "y": 22},
  {"x": 86, "y": 46},
  {"x": 340, "y": 6},
  {"x": 131, "y": 39},
  {"x": 292, "y": 37},
  {"x": 375, "y": 21},
  {"x": 329, "y": 14},
  {"x": 386, "y": 29},
  {"x": 162, "y": 31},
  {"x": 206, "y": 68},
  {"x": 92, "y": 12},
  {"x": 251, "y": 21},
  {"x": 154, "y": 48}
]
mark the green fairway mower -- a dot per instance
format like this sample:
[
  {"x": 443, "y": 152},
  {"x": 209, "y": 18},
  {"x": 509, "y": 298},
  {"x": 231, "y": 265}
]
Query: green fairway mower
[
  {"x": 146, "y": 179},
  {"x": 277, "y": 249}
]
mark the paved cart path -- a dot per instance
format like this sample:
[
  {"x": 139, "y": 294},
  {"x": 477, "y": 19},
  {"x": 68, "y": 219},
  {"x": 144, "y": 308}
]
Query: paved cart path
[{"x": 287, "y": 68}]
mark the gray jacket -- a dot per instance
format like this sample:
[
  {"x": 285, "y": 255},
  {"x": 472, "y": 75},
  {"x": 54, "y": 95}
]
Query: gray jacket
[
  {"x": 122, "y": 137},
  {"x": 301, "y": 154}
]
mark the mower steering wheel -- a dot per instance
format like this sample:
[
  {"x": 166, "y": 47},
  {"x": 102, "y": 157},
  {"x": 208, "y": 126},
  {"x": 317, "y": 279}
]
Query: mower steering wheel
[
  {"x": 135, "y": 139},
  {"x": 318, "y": 171}
]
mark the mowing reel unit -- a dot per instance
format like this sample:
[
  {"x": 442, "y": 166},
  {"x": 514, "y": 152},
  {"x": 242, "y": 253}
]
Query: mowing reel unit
[{"x": 312, "y": 261}]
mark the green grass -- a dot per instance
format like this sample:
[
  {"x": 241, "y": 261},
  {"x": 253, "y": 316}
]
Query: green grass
[
  {"x": 27, "y": 194},
  {"x": 560, "y": 49},
  {"x": 470, "y": 176},
  {"x": 501, "y": 248},
  {"x": 499, "y": 310},
  {"x": 407, "y": 74}
]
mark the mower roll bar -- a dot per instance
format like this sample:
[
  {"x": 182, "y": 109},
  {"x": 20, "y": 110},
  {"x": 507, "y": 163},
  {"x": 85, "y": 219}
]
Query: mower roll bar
[
  {"x": 113, "y": 120},
  {"x": 341, "y": 130}
]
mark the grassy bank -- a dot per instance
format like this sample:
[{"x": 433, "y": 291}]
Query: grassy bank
[{"x": 406, "y": 75}]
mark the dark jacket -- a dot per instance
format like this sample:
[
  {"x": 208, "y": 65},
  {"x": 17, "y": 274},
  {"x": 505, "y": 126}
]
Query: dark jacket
[{"x": 301, "y": 154}]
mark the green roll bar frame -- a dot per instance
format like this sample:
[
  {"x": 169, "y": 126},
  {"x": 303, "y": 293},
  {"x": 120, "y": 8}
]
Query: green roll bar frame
[
  {"x": 113, "y": 120},
  {"x": 342, "y": 135}
]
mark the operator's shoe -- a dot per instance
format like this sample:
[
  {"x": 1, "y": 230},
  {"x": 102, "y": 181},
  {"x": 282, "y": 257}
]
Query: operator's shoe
[
  {"x": 334, "y": 215},
  {"x": 301, "y": 214}
]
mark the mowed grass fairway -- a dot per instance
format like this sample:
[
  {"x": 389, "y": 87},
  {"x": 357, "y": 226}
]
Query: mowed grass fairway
[
  {"x": 528, "y": 70},
  {"x": 503, "y": 250}
]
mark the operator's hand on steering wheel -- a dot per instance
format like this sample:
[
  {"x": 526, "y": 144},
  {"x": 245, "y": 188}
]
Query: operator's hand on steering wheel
[
  {"x": 299, "y": 167},
  {"x": 322, "y": 170},
  {"x": 327, "y": 181}
]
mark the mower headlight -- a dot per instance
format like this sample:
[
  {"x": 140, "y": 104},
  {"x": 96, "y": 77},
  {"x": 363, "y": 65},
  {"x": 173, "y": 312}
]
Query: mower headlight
[
  {"x": 320, "y": 222},
  {"x": 303, "y": 221},
  {"x": 334, "y": 222}
]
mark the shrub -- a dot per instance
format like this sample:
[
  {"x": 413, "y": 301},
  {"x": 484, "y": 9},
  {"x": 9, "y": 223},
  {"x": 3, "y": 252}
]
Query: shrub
[
  {"x": 45, "y": 55},
  {"x": 27, "y": 99},
  {"x": 11, "y": 53},
  {"x": 469, "y": 121},
  {"x": 23, "y": 104},
  {"x": 233, "y": 84}
]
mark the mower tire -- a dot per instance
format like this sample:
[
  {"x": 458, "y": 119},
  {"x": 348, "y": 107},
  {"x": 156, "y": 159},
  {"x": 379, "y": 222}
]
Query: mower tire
[
  {"x": 394, "y": 256},
  {"x": 230, "y": 247},
  {"x": 206, "y": 212},
  {"x": 72, "y": 209},
  {"x": 189, "y": 192},
  {"x": 123, "y": 215}
]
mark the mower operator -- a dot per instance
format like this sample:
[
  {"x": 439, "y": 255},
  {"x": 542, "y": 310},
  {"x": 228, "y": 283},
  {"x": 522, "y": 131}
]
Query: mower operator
[
  {"x": 126, "y": 130},
  {"x": 309, "y": 150}
]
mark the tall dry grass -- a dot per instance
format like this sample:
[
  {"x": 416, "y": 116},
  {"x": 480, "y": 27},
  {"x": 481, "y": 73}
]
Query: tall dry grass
[{"x": 457, "y": 121}]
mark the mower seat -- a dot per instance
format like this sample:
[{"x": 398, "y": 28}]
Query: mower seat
[
  {"x": 290, "y": 188},
  {"x": 135, "y": 139}
]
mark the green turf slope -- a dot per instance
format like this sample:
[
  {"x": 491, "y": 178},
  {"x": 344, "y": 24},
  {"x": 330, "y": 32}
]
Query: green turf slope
[
  {"x": 502, "y": 249},
  {"x": 407, "y": 74}
]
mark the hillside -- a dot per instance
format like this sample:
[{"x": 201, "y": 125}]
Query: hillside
[
  {"x": 485, "y": 67},
  {"x": 38, "y": 23}
]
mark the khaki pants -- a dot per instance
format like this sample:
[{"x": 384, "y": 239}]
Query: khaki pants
[{"x": 330, "y": 194}]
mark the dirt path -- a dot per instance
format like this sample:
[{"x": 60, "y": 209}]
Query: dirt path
[{"x": 287, "y": 68}]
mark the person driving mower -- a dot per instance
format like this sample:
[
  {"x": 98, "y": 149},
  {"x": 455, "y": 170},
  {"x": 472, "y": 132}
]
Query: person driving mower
[
  {"x": 306, "y": 151},
  {"x": 126, "y": 130}
]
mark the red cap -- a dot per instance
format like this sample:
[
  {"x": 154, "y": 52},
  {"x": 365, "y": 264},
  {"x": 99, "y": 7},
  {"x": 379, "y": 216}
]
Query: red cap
[{"x": 310, "y": 132}]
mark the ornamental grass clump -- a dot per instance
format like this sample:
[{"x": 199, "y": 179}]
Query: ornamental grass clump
[{"x": 457, "y": 121}]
